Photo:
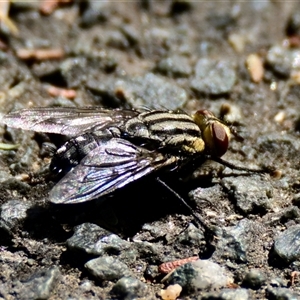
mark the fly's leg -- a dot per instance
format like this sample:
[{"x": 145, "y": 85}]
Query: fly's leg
[
  {"x": 198, "y": 219},
  {"x": 264, "y": 170}
]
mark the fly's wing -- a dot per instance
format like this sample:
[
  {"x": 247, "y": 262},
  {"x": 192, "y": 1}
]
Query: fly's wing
[
  {"x": 112, "y": 165},
  {"x": 67, "y": 120}
]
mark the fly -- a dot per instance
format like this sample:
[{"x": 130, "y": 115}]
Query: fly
[{"x": 109, "y": 149}]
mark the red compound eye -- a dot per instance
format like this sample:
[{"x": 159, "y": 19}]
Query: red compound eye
[
  {"x": 220, "y": 139},
  {"x": 215, "y": 134}
]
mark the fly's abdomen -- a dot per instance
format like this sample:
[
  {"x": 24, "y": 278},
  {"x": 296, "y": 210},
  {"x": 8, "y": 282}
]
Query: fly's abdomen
[
  {"x": 72, "y": 152},
  {"x": 172, "y": 130}
]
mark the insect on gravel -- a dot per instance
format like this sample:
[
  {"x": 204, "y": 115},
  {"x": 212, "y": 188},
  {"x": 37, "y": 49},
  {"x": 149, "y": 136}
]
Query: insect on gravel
[{"x": 110, "y": 148}]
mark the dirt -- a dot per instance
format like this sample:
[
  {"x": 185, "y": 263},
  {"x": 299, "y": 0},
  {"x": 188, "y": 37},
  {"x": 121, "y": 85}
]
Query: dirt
[{"x": 103, "y": 51}]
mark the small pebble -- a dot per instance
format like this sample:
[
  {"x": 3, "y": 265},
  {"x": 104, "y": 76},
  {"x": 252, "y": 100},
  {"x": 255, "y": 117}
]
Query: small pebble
[
  {"x": 107, "y": 268},
  {"x": 172, "y": 292},
  {"x": 95, "y": 240},
  {"x": 254, "y": 279},
  {"x": 287, "y": 244},
  {"x": 255, "y": 67},
  {"x": 12, "y": 213},
  {"x": 129, "y": 288},
  {"x": 213, "y": 77}
]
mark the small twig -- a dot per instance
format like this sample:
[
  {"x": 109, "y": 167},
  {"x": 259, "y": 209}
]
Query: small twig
[
  {"x": 40, "y": 54},
  {"x": 168, "y": 267},
  {"x": 56, "y": 91},
  {"x": 47, "y": 7}
]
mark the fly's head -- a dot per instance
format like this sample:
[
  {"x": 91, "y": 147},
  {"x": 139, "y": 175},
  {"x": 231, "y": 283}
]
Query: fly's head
[{"x": 215, "y": 134}]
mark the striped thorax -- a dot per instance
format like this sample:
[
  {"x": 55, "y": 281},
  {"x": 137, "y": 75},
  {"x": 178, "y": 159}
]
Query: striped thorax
[{"x": 171, "y": 129}]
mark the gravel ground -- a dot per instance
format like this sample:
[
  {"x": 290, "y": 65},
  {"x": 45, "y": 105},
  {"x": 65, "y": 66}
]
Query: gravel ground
[{"x": 238, "y": 59}]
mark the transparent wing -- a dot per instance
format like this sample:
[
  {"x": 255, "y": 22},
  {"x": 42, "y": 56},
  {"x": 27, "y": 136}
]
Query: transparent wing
[
  {"x": 112, "y": 165},
  {"x": 67, "y": 120}
]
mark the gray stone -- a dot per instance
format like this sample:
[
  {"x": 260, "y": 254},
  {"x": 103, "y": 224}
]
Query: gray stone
[
  {"x": 92, "y": 239},
  {"x": 281, "y": 294},
  {"x": 283, "y": 60},
  {"x": 236, "y": 242},
  {"x": 200, "y": 275},
  {"x": 116, "y": 39},
  {"x": 250, "y": 194},
  {"x": 129, "y": 288},
  {"x": 148, "y": 90},
  {"x": 39, "y": 285},
  {"x": 213, "y": 77},
  {"x": 151, "y": 91},
  {"x": 149, "y": 251},
  {"x": 107, "y": 268},
  {"x": 296, "y": 199},
  {"x": 287, "y": 244},
  {"x": 231, "y": 294},
  {"x": 289, "y": 213},
  {"x": 278, "y": 282},
  {"x": 231, "y": 113},
  {"x": 254, "y": 279},
  {"x": 209, "y": 196},
  {"x": 96, "y": 11},
  {"x": 174, "y": 66},
  {"x": 276, "y": 142},
  {"x": 12, "y": 212},
  {"x": 72, "y": 71},
  {"x": 192, "y": 236},
  {"x": 228, "y": 294}
]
